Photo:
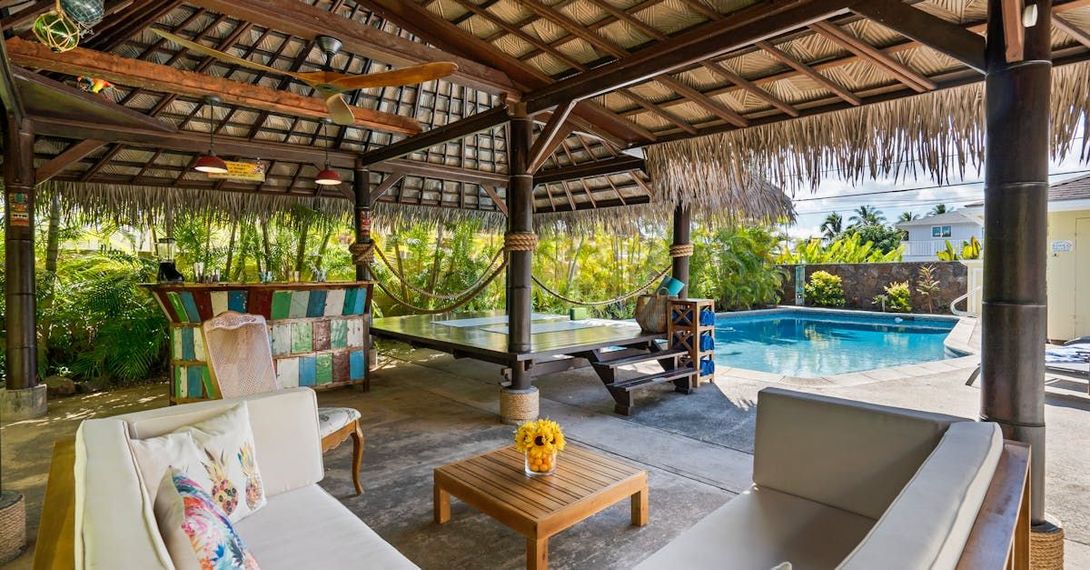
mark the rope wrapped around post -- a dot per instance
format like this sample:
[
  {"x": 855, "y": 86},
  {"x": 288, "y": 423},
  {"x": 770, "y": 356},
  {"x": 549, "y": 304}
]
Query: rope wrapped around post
[
  {"x": 363, "y": 253},
  {"x": 681, "y": 250},
  {"x": 519, "y": 241}
]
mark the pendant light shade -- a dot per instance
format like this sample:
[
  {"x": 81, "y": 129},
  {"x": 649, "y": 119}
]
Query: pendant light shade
[
  {"x": 211, "y": 164},
  {"x": 328, "y": 177}
]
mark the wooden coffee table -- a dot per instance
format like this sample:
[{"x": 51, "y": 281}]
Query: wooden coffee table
[{"x": 585, "y": 483}]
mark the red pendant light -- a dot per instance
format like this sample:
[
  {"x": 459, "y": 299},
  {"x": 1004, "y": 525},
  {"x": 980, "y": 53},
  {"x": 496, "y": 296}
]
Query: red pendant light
[
  {"x": 210, "y": 163},
  {"x": 327, "y": 176}
]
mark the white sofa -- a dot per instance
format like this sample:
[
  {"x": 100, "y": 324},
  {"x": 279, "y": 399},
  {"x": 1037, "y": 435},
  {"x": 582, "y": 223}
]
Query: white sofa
[
  {"x": 847, "y": 485},
  {"x": 302, "y": 526}
]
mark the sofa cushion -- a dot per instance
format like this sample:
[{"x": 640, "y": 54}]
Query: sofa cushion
[
  {"x": 929, "y": 522},
  {"x": 114, "y": 524},
  {"x": 308, "y": 528},
  {"x": 285, "y": 427},
  {"x": 196, "y": 531},
  {"x": 760, "y": 529},
  {"x": 846, "y": 454}
]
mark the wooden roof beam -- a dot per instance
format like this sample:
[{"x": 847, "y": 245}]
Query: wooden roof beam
[
  {"x": 751, "y": 88},
  {"x": 306, "y": 21},
  {"x": 474, "y": 123},
  {"x": 386, "y": 184},
  {"x": 935, "y": 33},
  {"x": 899, "y": 71},
  {"x": 616, "y": 165},
  {"x": 744, "y": 27},
  {"x": 1081, "y": 36},
  {"x": 155, "y": 77},
  {"x": 552, "y": 134},
  {"x": 70, "y": 156},
  {"x": 419, "y": 20},
  {"x": 808, "y": 71}
]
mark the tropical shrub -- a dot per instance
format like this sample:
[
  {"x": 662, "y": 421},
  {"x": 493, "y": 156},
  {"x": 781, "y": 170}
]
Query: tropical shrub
[
  {"x": 849, "y": 248},
  {"x": 736, "y": 267},
  {"x": 825, "y": 290},
  {"x": 969, "y": 250},
  {"x": 927, "y": 284},
  {"x": 897, "y": 298}
]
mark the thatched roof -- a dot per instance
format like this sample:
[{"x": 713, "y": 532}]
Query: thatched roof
[{"x": 843, "y": 92}]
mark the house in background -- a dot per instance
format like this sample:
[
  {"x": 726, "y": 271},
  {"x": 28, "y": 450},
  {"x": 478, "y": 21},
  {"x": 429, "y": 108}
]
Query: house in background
[
  {"x": 1068, "y": 272},
  {"x": 928, "y": 236}
]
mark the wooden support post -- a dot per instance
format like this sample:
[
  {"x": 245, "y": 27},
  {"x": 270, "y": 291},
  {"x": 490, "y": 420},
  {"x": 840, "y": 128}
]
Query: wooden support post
[
  {"x": 682, "y": 229},
  {"x": 521, "y": 209},
  {"x": 24, "y": 397},
  {"x": 1015, "y": 231},
  {"x": 362, "y": 221}
]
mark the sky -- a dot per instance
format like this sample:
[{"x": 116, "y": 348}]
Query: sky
[{"x": 892, "y": 197}]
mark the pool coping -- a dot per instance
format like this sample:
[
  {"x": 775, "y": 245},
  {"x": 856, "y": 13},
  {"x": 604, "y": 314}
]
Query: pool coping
[{"x": 957, "y": 342}]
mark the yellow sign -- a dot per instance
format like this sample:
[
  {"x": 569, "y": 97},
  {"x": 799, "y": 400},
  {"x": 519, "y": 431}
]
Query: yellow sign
[{"x": 250, "y": 171}]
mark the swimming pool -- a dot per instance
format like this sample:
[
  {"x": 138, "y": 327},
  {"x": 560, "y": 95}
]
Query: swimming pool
[{"x": 812, "y": 343}]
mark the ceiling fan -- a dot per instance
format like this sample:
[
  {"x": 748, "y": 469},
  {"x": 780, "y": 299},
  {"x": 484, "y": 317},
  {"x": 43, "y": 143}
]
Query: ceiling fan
[{"x": 330, "y": 85}]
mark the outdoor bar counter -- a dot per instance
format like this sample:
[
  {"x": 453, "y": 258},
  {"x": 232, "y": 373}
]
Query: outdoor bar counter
[{"x": 319, "y": 331}]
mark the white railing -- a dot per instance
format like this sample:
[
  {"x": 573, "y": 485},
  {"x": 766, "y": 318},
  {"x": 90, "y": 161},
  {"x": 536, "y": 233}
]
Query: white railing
[
  {"x": 969, "y": 305},
  {"x": 924, "y": 248}
]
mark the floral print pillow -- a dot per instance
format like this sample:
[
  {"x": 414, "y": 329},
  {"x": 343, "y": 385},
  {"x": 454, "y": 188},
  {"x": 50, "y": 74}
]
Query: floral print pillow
[{"x": 197, "y": 532}]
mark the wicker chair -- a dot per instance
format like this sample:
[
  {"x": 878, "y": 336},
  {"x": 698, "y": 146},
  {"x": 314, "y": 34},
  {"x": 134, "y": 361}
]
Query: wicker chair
[{"x": 241, "y": 363}]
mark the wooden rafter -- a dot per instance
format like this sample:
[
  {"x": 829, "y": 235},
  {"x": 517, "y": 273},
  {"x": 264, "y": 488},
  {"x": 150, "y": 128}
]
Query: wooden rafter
[
  {"x": 420, "y": 21},
  {"x": 623, "y": 163},
  {"x": 751, "y": 88},
  {"x": 551, "y": 135},
  {"x": 936, "y": 33},
  {"x": 1014, "y": 35},
  {"x": 147, "y": 75},
  {"x": 386, "y": 184},
  {"x": 1080, "y": 35},
  {"x": 306, "y": 21},
  {"x": 493, "y": 195},
  {"x": 899, "y": 71},
  {"x": 791, "y": 61},
  {"x": 70, "y": 156}
]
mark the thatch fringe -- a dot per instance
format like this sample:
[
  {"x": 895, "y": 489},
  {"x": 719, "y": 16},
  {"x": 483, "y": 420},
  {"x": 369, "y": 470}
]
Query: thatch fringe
[
  {"x": 147, "y": 204},
  {"x": 940, "y": 134}
]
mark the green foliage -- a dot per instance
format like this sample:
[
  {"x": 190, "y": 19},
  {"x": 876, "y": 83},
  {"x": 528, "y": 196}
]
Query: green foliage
[
  {"x": 969, "y": 250},
  {"x": 886, "y": 239},
  {"x": 850, "y": 248},
  {"x": 897, "y": 298},
  {"x": 825, "y": 290},
  {"x": 927, "y": 284},
  {"x": 103, "y": 327},
  {"x": 736, "y": 267},
  {"x": 867, "y": 216},
  {"x": 832, "y": 226}
]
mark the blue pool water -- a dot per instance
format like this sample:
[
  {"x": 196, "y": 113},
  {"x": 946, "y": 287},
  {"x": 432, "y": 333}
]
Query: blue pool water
[{"x": 799, "y": 342}]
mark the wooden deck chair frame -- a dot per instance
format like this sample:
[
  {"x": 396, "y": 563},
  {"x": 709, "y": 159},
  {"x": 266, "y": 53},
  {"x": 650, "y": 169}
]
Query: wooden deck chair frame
[{"x": 250, "y": 335}]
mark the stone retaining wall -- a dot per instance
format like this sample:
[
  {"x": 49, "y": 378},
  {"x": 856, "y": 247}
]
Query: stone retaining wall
[{"x": 862, "y": 281}]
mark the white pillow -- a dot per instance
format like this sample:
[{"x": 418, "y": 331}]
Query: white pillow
[{"x": 219, "y": 457}]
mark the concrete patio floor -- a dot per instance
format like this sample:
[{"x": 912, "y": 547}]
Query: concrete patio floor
[{"x": 426, "y": 409}]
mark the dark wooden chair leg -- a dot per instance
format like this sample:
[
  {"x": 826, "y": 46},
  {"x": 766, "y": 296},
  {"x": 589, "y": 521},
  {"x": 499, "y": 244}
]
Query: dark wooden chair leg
[{"x": 357, "y": 456}]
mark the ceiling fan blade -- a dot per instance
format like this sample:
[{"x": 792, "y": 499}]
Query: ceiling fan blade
[
  {"x": 226, "y": 57},
  {"x": 404, "y": 76},
  {"x": 339, "y": 110}
]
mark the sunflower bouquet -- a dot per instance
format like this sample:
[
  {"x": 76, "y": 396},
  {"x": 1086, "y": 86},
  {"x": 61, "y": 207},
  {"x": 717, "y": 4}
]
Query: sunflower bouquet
[{"x": 540, "y": 440}]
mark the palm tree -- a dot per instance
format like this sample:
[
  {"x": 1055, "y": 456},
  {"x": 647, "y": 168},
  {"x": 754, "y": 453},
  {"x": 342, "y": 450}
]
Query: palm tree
[
  {"x": 832, "y": 226},
  {"x": 867, "y": 216},
  {"x": 908, "y": 217},
  {"x": 938, "y": 209}
]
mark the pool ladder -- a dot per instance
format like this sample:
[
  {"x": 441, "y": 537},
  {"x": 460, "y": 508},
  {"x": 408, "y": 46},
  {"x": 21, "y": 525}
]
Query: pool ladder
[{"x": 958, "y": 312}]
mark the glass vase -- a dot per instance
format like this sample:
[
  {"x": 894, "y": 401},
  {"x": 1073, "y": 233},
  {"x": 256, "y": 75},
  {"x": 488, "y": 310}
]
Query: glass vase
[{"x": 540, "y": 465}]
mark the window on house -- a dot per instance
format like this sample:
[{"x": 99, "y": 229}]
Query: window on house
[{"x": 940, "y": 231}]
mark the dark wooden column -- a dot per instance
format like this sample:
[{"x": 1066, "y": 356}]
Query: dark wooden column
[
  {"x": 22, "y": 361},
  {"x": 1015, "y": 230},
  {"x": 682, "y": 228},
  {"x": 521, "y": 211},
  {"x": 362, "y": 220}
]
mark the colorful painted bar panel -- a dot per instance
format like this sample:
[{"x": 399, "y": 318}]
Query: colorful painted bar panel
[{"x": 317, "y": 331}]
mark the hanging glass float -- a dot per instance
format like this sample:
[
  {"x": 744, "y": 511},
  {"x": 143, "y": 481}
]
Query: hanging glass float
[{"x": 60, "y": 29}]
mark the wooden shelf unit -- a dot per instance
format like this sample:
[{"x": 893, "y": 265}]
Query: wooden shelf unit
[{"x": 684, "y": 331}]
